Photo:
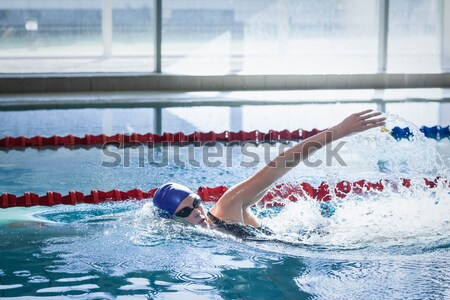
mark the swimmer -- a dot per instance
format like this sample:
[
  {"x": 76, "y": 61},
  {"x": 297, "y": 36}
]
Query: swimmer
[{"x": 232, "y": 213}]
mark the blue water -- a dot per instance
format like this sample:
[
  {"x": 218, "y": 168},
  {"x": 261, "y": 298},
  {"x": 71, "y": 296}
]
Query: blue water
[
  {"x": 390, "y": 245},
  {"x": 115, "y": 250}
]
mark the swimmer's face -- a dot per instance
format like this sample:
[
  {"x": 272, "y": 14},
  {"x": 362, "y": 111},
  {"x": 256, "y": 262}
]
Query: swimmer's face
[{"x": 197, "y": 215}]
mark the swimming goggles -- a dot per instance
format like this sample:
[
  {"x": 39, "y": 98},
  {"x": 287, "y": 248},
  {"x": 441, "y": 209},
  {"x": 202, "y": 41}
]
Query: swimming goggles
[{"x": 186, "y": 211}]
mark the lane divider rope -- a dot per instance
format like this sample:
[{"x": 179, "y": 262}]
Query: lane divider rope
[
  {"x": 149, "y": 139},
  {"x": 132, "y": 139},
  {"x": 290, "y": 191}
]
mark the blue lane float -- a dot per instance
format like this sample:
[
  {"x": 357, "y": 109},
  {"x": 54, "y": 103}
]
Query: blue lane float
[{"x": 436, "y": 132}]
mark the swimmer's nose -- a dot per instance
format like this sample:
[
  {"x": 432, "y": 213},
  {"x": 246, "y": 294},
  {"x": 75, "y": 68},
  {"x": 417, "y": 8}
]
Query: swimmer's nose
[{"x": 198, "y": 212}]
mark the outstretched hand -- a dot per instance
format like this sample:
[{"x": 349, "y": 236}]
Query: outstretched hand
[{"x": 361, "y": 121}]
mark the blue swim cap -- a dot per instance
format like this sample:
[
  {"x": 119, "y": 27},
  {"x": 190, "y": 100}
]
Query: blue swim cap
[{"x": 169, "y": 196}]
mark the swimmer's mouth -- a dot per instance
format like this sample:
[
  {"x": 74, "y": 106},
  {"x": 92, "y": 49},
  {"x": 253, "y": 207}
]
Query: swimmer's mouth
[{"x": 203, "y": 221}]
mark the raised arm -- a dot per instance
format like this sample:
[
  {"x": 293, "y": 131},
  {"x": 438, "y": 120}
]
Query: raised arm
[
  {"x": 249, "y": 191},
  {"x": 283, "y": 163}
]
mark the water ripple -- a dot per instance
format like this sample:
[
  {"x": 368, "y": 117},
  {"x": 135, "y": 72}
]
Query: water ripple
[
  {"x": 22, "y": 273},
  {"x": 77, "y": 279},
  {"x": 9, "y": 286},
  {"x": 265, "y": 259},
  {"x": 201, "y": 282},
  {"x": 38, "y": 279},
  {"x": 197, "y": 276},
  {"x": 84, "y": 288}
]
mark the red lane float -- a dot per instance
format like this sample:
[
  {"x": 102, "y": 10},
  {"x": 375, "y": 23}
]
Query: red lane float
[
  {"x": 173, "y": 138},
  {"x": 435, "y": 132},
  {"x": 290, "y": 191}
]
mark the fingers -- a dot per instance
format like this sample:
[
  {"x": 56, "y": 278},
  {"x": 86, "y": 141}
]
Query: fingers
[
  {"x": 364, "y": 112},
  {"x": 371, "y": 115},
  {"x": 376, "y": 125},
  {"x": 367, "y": 122}
]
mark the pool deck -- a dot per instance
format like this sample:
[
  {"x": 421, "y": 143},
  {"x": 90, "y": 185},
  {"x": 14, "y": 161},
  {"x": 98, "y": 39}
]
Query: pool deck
[
  {"x": 124, "y": 82},
  {"x": 162, "y": 99}
]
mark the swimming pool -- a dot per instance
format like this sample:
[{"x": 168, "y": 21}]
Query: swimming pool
[{"x": 393, "y": 244}]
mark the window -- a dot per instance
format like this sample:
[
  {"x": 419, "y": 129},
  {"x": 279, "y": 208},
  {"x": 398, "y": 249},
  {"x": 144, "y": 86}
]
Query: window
[
  {"x": 201, "y": 37},
  {"x": 270, "y": 37},
  {"x": 76, "y": 36},
  {"x": 414, "y": 36}
]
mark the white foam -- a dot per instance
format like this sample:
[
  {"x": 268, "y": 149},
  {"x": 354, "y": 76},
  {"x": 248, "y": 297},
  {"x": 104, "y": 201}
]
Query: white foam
[{"x": 396, "y": 217}]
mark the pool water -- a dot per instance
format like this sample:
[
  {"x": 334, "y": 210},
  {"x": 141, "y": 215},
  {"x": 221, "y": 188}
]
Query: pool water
[
  {"x": 389, "y": 245},
  {"x": 123, "y": 251}
]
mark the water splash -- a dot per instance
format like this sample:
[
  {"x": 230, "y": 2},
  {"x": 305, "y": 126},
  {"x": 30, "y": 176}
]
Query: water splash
[
  {"x": 150, "y": 230},
  {"x": 415, "y": 217}
]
